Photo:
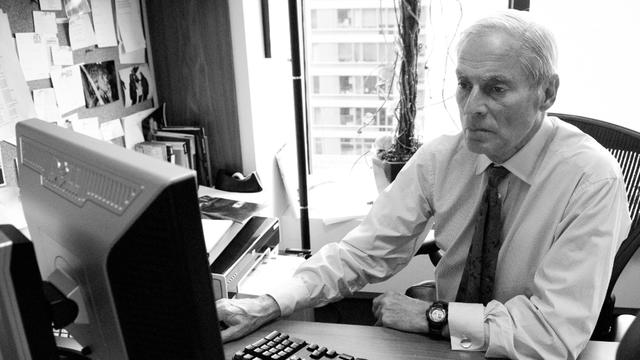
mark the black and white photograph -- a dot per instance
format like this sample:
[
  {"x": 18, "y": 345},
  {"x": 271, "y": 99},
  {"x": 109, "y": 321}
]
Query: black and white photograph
[
  {"x": 99, "y": 81},
  {"x": 136, "y": 83}
]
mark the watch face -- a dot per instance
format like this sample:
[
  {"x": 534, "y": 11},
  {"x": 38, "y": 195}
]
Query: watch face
[{"x": 437, "y": 315}]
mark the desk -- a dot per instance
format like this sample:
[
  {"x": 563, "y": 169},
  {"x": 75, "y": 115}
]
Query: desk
[{"x": 378, "y": 343}]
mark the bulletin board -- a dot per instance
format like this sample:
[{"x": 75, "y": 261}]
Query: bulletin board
[{"x": 20, "y": 14}]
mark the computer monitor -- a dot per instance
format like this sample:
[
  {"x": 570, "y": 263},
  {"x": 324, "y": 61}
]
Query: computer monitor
[{"x": 119, "y": 233}]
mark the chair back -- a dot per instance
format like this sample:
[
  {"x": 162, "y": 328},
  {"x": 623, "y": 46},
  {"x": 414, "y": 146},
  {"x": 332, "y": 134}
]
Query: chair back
[{"x": 624, "y": 144}]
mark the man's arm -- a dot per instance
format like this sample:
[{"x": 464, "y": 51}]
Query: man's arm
[{"x": 243, "y": 316}]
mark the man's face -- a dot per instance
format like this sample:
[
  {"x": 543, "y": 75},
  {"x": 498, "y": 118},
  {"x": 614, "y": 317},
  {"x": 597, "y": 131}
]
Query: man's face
[{"x": 500, "y": 109}]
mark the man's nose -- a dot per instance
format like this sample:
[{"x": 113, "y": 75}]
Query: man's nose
[{"x": 475, "y": 104}]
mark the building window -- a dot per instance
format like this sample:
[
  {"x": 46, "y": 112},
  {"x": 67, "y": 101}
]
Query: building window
[{"x": 345, "y": 17}]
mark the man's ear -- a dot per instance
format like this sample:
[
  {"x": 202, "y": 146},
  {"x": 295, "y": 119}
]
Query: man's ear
[{"x": 550, "y": 90}]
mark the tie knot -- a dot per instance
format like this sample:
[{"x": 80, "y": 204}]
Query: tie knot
[{"x": 496, "y": 174}]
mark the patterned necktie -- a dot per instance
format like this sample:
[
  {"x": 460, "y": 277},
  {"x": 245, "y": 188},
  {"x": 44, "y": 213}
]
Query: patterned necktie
[{"x": 476, "y": 285}]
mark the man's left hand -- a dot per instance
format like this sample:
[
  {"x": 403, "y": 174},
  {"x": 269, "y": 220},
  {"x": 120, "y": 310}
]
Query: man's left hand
[{"x": 401, "y": 312}]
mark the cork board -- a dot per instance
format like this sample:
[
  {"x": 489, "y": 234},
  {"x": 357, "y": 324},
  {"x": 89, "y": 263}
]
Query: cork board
[{"x": 20, "y": 13}]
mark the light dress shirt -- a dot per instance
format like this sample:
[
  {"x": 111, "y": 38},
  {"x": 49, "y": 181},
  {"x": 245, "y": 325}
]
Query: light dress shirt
[{"x": 564, "y": 212}]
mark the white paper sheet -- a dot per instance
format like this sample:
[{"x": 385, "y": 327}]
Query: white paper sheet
[
  {"x": 111, "y": 129},
  {"x": 132, "y": 125},
  {"x": 45, "y": 22},
  {"x": 214, "y": 230},
  {"x": 103, "y": 23},
  {"x": 34, "y": 55},
  {"x": 81, "y": 34},
  {"x": 67, "y": 83},
  {"x": 15, "y": 103},
  {"x": 134, "y": 57},
  {"x": 87, "y": 126},
  {"x": 62, "y": 55},
  {"x": 130, "y": 24},
  {"x": 46, "y": 105},
  {"x": 50, "y": 5}
]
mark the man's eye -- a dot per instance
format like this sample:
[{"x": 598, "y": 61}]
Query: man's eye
[
  {"x": 498, "y": 89},
  {"x": 464, "y": 85}
]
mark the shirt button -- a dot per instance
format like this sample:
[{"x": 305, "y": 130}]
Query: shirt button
[
  {"x": 465, "y": 342},
  {"x": 499, "y": 196}
]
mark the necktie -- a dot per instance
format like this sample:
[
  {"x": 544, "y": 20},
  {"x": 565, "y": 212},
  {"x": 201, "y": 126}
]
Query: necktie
[{"x": 476, "y": 285}]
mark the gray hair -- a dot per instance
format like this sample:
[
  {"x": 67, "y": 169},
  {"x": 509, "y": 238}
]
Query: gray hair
[{"x": 538, "y": 46}]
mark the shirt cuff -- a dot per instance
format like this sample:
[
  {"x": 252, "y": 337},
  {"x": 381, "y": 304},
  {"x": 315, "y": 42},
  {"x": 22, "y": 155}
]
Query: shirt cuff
[
  {"x": 289, "y": 295},
  {"x": 466, "y": 326}
]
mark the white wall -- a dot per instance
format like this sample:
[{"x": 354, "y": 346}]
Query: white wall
[{"x": 264, "y": 90}]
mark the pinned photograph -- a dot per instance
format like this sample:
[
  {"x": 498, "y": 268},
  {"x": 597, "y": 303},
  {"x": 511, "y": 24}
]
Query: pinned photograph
[
  {"x": 100, "y": 83},
  {"x": 136, "y": 83},
  {"x": 74, "y": 8}
]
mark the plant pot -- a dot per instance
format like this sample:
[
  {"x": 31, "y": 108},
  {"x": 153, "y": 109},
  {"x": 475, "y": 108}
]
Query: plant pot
[{"x": 384, "y": 172}]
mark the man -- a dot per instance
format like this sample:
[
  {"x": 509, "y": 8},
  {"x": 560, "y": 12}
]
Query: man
[{"x": 561, "y": 213}]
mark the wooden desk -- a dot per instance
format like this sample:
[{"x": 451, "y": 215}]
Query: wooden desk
[{"x": 378, "y": 343}]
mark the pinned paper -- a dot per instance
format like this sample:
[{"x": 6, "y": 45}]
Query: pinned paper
[
  {"x": 15, "y": 102},
  {"x": 62, "y": 55},
  {"x": 130, "y": 24},
  {"x": 132, "y": 126},
  {"x": 67, "y": 83},
  {"x": 53, "y": 5},
  {"x": 87, "y": 126},
  {"x": 34, "y": 55},
  {"x": 134, "y": 57},
  {"x": 81, "y": 34},
  {"x": 46, "y": 105},
  {"x": 111, "y": 129},
  {"x": 45, "y": 22},
  {"x": 75, "y": 8},
  {"x": 103, "y": 23}
]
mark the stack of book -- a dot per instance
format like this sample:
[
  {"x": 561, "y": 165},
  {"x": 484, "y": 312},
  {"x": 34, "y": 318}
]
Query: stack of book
[{"x": 185, "y": 146}]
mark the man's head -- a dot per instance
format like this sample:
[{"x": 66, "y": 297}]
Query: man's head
[{"x": 506, "y": 82}]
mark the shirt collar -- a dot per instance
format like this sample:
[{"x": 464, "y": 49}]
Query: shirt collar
[{"x": 523, "y": 163}]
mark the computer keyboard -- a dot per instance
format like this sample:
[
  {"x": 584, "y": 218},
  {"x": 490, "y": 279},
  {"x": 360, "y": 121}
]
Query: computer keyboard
[{"x": 279, "y": 346}]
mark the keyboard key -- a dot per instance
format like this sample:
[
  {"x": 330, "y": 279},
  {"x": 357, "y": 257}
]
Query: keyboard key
[
  {"x": 312, "y": 347},
  {"x": 345, "y": 357},
  {"x": 272, "y": 335},
  {"x": 331, "y": 354}
]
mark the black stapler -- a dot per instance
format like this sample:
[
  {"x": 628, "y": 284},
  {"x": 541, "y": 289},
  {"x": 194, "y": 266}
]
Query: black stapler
[{"x": 236, "y": 182}]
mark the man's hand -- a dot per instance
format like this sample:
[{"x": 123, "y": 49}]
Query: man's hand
[
  {"x": 401, "y": 312},
  {"x": 244, "y": 316}
]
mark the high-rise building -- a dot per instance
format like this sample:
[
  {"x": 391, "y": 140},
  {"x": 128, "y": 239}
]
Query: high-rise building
[{"x": 351, "y": 53}]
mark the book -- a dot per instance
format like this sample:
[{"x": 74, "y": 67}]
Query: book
[
  {"x": 227, "y": 209},
  {"x": 179, "y": 152},
  {"x": 187, "y": 139},
  {"x": 202, "y": 155},
  {"x": 157, "y": 150}
]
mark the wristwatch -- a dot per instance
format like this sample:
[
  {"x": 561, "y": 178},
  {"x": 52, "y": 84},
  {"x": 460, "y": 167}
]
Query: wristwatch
[{"x": 437, "y": 316}]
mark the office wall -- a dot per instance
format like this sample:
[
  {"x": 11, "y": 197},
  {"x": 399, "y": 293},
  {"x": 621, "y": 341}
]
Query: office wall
[{"x": 191, "y": 45}]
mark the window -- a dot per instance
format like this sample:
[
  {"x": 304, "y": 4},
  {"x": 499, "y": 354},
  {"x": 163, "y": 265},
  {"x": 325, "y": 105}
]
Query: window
[
  {"x": 345, "y": 17},
  {"x": 351, "y": 54}
]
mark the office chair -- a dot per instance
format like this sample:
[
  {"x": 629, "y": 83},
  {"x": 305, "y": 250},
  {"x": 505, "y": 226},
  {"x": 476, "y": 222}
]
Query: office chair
[
  {"x": 624, "y": 144},
  {"x": 629, "y": 348}
]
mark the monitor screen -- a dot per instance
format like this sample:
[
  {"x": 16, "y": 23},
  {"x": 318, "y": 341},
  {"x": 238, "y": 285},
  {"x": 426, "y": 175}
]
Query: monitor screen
[{"x": 119, "y": 233}]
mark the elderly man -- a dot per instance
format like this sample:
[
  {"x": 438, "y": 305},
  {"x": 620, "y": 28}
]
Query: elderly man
[{"x": 528, "y": 209}]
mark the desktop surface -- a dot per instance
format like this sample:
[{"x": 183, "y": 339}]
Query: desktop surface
[{"x": 379, "y": 343}]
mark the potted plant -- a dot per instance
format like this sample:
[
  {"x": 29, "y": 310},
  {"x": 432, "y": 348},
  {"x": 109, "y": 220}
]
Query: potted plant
[{"x": 392, "y": 152}]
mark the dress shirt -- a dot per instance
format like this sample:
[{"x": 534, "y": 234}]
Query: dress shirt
[{"x": 564, "y": 212}]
